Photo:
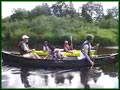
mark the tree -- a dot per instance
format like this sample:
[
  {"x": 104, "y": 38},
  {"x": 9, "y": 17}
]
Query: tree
[
  {"x": 98, "y": 11},
  {"x": 70, "y": 10},
  {"x": 113, "y": 12},
  {"x": 58, "y": 9},
  {"x": 40, "y": 10},
  {"x": 110, "y": 19},
  {"x": 61, "y": 9},
  {"x": 92, "y": 11},
  {"x": 19, "y": 14}
]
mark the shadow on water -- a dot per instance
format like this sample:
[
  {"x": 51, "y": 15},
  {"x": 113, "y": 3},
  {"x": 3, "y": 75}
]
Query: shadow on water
[
  {"x": 24, "y": 74},
  {"x": 84, "y": 77},
  {"x": 86, "y": 74}
]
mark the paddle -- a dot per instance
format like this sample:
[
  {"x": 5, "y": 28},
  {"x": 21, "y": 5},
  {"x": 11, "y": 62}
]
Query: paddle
[
  {"x": 106, "y": 55},
  {"x": 71, "y": 41},
  {"x": 94, "y": 57}
]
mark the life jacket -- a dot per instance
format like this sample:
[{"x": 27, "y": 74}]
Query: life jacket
[
  {"x": 22, "y": 51},
  {"x": 82, "y": 50},
  {"x": 52, "y": 53}
]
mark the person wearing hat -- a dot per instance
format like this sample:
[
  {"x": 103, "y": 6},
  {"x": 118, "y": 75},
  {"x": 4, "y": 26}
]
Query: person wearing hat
[
  {"x": 25, "y": 49},
  {"x": 86, "y": 47}
]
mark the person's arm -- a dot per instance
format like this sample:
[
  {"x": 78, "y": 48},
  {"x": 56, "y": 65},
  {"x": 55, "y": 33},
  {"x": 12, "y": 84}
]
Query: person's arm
[
  {"x": 44, "y": 49},
  {"x": 85, "y": 52},
  {"x": 95, "y": 47},
  {"x": 65, "y": 48},
  {"x": 25, "y": 48}
]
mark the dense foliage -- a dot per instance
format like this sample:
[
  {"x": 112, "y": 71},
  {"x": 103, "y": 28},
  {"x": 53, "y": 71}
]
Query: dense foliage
[{"x": 60, "y": 21}]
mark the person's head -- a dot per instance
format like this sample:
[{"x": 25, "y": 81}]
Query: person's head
[
  {"x": 89, "y": 37},
  {"x": 45, "y": 43},
  {"x": 56, "y": 51},
  {"x": 25, "y": 38},
  {"x": 52, "y": 48},
  {"x": 66, "y": 42}
]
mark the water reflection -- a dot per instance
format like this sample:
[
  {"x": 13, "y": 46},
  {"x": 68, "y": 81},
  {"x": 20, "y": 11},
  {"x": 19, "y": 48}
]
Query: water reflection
[
  {"x": 40, "y": 78},
  {"x": 84, "y": 77},
  {"x": 46, "y": 79},
  {"x": 24, "y": 77},
  {"x": 70, "y": 77},
  {"x": 59, "y": 78}
]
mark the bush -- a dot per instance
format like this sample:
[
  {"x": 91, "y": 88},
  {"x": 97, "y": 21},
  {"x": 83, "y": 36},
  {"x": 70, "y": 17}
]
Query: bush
[{"x": 56, "y": 30}]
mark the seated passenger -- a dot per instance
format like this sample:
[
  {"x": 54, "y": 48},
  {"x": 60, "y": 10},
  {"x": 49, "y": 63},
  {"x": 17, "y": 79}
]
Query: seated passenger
[
  {"x": 50, "y": 54},
  {"x": 45, "y": 46},
  {"x": 54, "y": 54},
  {"x": 58, "y": 55},
  {"x": 25, "y": 49},
  {"x": 70, "y": 45},
  {"x": 67, "y": 47}
]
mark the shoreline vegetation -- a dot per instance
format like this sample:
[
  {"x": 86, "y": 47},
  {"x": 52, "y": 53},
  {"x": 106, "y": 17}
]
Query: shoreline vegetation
[{"x": 57, "y": 23}]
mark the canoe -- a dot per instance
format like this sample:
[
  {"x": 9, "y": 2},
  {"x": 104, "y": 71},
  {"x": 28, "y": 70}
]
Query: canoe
[
  {"x": 75, "y": 52},
  {"x": 73, "y": 62}
]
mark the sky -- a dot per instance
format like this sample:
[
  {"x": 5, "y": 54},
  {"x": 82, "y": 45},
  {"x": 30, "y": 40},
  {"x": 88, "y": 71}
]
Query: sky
[{"x": 7, "y": 7}]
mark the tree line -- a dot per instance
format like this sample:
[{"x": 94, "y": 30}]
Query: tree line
[{"x": 60, "y": 21}]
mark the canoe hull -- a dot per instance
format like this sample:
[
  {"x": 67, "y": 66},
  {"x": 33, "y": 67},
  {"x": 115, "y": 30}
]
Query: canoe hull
[{"x": 38, "y": 63}]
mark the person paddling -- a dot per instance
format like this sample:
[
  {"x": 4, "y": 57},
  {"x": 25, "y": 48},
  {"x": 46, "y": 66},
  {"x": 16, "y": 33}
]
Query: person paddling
[
  {"x": 24, "y": 48},
  {"x": 86, "y": 47}
]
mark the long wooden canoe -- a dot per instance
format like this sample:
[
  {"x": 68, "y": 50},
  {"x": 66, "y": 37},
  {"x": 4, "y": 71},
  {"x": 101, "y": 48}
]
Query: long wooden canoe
[{"x": 73, "y": 62}]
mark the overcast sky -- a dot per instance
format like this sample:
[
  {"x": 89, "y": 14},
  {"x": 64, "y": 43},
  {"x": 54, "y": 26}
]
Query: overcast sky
[{"x": 7, "y": 7}]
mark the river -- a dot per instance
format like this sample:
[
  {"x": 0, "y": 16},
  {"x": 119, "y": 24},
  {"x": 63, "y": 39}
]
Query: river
[{"x": 20, "y": 77}]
